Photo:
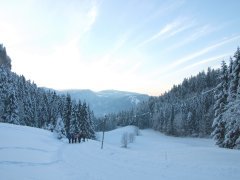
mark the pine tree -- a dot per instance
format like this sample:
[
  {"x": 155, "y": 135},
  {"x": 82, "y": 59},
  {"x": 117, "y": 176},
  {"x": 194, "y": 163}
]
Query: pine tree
[
  {"x": 42, "y": 112},
  {"x": 11, "y": 110},
  {"x": 234, "y": 76},
  {"x": 237, "y": 71},
  {"x": 232, "y": 115},
  {"x": 170, "y": 128},
  {"x": 91, "y": 132},
  {"x": 4, "y": 58},
  {"x": 84, "y": 119},
  {"x": 67, "y": 114},
  {"x": 190, "y": 120},
  {"x": 220, "y": 107},
  {"x": 28, "y": 109},
  {"x": 59, "y": 129},
  {"x": 74, "y": 126},
  {"x": 4, "y": 87}
]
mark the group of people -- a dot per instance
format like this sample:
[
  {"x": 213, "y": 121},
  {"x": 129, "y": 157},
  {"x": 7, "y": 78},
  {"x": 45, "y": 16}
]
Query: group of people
[{"x": 76, "y": 137}]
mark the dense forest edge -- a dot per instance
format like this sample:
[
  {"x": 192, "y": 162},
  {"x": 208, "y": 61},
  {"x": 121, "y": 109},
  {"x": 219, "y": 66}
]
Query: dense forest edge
[
  {"x": 23, "y": 103},
  {"x": 204, "y": 105}
]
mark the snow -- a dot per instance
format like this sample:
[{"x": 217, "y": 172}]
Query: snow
[
  {"x": 36, "y": 154},
  {"x": 134, "y": 99}
]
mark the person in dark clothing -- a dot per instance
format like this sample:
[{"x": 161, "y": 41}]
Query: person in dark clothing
[
  {"x": 72, "y": 138},
  {"x": 83, "y": 136},
  {"x": 79, "y": 137},
  {"x": 69, "y": 138},
  {"x": 75, "y": 137}
]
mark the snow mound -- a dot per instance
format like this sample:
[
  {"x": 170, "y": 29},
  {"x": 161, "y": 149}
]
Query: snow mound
[{"x": 31, "y": 153}]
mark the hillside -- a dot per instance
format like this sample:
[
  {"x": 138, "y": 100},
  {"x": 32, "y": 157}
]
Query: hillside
[
  {"x": 108, "y": 101},
  {"x": 31, "y": 153}
]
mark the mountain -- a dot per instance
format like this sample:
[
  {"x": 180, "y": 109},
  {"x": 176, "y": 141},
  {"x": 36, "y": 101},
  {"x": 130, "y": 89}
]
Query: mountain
[{"x": 107, "y": 101}]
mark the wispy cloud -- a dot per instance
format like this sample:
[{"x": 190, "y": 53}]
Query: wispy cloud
[
  {"x": 168, "y": 31},
  {"x": 204, "y": 61},
  {"x": 200, "y": 32},
  {"x": 91, "y": 15},
  {"x": 116, "y": 47},
  {"x": 164, "y": 9},
  {"x": 192, "y": 56},
  {"x": 203, "y": 51}
]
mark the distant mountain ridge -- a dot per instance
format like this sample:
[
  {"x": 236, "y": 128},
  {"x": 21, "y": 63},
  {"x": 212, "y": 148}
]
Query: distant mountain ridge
[{"x": 106, "y": 101}]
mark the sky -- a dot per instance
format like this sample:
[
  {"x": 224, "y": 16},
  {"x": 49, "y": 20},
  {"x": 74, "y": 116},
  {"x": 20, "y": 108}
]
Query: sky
[{"x": 143, "y": 46}]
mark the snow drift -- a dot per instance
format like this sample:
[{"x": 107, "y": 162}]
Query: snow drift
[{"x": 31, "y": 153}]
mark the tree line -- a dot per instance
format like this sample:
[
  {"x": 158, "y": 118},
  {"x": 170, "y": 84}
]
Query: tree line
[
  {"x": 204, "y": 105},
  {"x": 23, "y": 103},
  {"x": 226, "y": 124},
  {"x": 207, "y": 104}
]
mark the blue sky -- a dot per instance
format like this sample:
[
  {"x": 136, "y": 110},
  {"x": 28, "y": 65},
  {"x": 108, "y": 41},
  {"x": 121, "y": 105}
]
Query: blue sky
[{"x": 144, "y": 46}]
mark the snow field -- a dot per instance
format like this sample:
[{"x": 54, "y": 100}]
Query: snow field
[{"x": 31, "y": 153}]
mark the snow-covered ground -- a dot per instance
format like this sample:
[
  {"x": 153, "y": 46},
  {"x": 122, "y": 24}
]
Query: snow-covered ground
[{"x": 30, "y": 153}]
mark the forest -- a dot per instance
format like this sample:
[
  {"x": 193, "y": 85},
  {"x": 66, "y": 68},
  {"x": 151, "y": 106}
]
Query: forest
[
  {"x": 205, "y": 105},
  {"x": 22, "y": 102}
]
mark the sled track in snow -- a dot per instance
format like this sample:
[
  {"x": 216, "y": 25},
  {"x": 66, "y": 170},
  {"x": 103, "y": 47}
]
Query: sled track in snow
[
  {"x": 20, "y": 163},
  {"x": 26, "y": 148}
]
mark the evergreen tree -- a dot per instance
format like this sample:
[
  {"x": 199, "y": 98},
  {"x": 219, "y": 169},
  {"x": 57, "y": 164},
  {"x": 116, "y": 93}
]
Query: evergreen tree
[
  {"x": 234, "y": 76},
  {"x": 67, "y": 114},
  {"x": 220, "y": 106},
  {"x": 59, "y": 129},
  {"x": 42, "y": 113},
  {"x": 232, "y": 115},
  {"x": 170, "y": 128},
  {"x": 28, "y": 109},
  {"x": 91, "y": 131},
  {"x": 4, "y": 88},
  {"x": 84, "y": 119},
  {"x": 10, "y": 114},
  {"x": 74, "y": 126},
  {"x": 190, "y": 119},
  {"x": 4, "y": 58}
]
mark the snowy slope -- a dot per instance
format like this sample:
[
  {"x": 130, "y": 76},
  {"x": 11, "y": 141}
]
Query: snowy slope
[{"x": 30, "y": 153}]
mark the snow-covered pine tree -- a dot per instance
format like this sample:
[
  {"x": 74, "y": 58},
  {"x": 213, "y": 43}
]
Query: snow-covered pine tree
[
  {"x": 79, "y": 115},
  {"x": 4, "y": 58},
  {"x": 234, "y": 76},
  {"x": 207, "y": 114},
  {"x": 59, "y": 129},
  {"x": 237, "y": 69},
  {"x": 28, "y": 107},
  {"x": 221, "y": 93},
  {"x": 190, "y": 120},
  {"x": 232, "y": 126},
  {"x": 9, "y": 102},
  {"x": 42, "y": 112},
  {"x": 84, "y": 119},
  {"x": 67, "y": 113},
  {"x": 91, "y": 132},
  {"x": 183, "y": 113},
  {"x": 4, "y": 86},
  {"x": 53, "y": 107},
  {"x": 74, "y": 126},
  {"x": 232, "y": 115},
  {"x": 170, "y": 127},
  {"x": 11, "y": 112}
]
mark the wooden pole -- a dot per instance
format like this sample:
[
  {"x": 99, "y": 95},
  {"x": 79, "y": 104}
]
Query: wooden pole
[{"x": 104, "y": 122}]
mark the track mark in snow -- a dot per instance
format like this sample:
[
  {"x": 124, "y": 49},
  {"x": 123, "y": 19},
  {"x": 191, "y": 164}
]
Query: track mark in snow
[
  {"x": 26, "y": 148},
  {"x": 28, "y": 163}
]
